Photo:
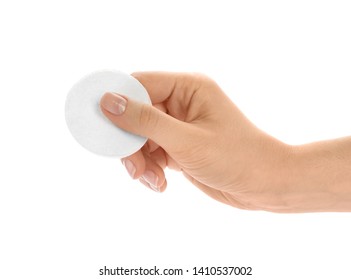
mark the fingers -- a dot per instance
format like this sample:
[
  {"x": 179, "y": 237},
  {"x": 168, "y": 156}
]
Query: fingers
[
  {"x": 153, "y": 177},
  {"x": 159, "y": 157},
  {"x": 162, "y": 123},
  {"x": 148, "y": 168},
  {"x": 135, "y": 164}
]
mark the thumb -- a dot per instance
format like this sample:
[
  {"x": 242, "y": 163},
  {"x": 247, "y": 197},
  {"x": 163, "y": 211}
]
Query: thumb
[{"x": 145, "y": 120}]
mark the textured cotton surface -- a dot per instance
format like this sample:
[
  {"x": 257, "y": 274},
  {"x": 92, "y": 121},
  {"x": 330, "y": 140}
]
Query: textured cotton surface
[{"x": 88, "y": 124}]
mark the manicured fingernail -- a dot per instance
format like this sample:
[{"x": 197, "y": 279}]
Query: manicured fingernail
[
  {"x": 130, "y": 167},
  {"x": 152, "y": 179},
  {"x": 141, "y": 179},
  {"x": 113, "y": 103}
]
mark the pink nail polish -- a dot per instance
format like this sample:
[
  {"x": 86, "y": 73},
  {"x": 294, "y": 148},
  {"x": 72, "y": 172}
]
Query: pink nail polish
[
  {"x": 113, "y": 103},
  {"x": 152, "y": 179},
  {"x": 130, "y": 167}
]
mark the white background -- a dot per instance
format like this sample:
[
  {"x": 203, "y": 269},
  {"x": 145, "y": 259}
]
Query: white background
[{"x": 65, "y": 213}]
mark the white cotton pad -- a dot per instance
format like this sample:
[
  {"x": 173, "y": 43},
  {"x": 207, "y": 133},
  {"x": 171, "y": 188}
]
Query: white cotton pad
[{"x": 88, "y": 124}]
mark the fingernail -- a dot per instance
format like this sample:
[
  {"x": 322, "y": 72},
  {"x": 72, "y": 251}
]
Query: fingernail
[
  {"x": 113, "y": 103},
  {"x": 130, "y": 167},
  {"x": 152, "y": 179},
  {"x": 141, "y": 179}
]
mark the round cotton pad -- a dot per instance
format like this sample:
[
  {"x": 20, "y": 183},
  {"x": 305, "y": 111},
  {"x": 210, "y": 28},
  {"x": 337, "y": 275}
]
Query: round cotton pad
[{"x": 88, "y": 124}]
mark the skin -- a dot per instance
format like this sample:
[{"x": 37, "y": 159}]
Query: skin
[{"x": 195, "y": 128}]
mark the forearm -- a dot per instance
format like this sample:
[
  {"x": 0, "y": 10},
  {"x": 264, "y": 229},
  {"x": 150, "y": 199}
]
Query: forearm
[{"x": 318, "y": 177}]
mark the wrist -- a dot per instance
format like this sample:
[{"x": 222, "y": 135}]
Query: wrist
[
  {"x": 314, "y": 177},
  {"x": 278, "y": 179},
  {"x": 270, "y": 181}
]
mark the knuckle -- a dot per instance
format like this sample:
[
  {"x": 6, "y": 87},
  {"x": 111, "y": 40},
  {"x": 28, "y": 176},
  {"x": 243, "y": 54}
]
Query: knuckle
[{"x": 193, "y": 78}]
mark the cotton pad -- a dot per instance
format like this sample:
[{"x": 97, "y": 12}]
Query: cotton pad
[{"x": 88, "y": 124}]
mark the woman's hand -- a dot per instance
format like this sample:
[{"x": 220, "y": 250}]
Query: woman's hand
[{"x": 195, "y": 128}]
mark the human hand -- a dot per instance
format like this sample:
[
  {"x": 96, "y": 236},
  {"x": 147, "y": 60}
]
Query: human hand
[{"x": 195, "y": 128}]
